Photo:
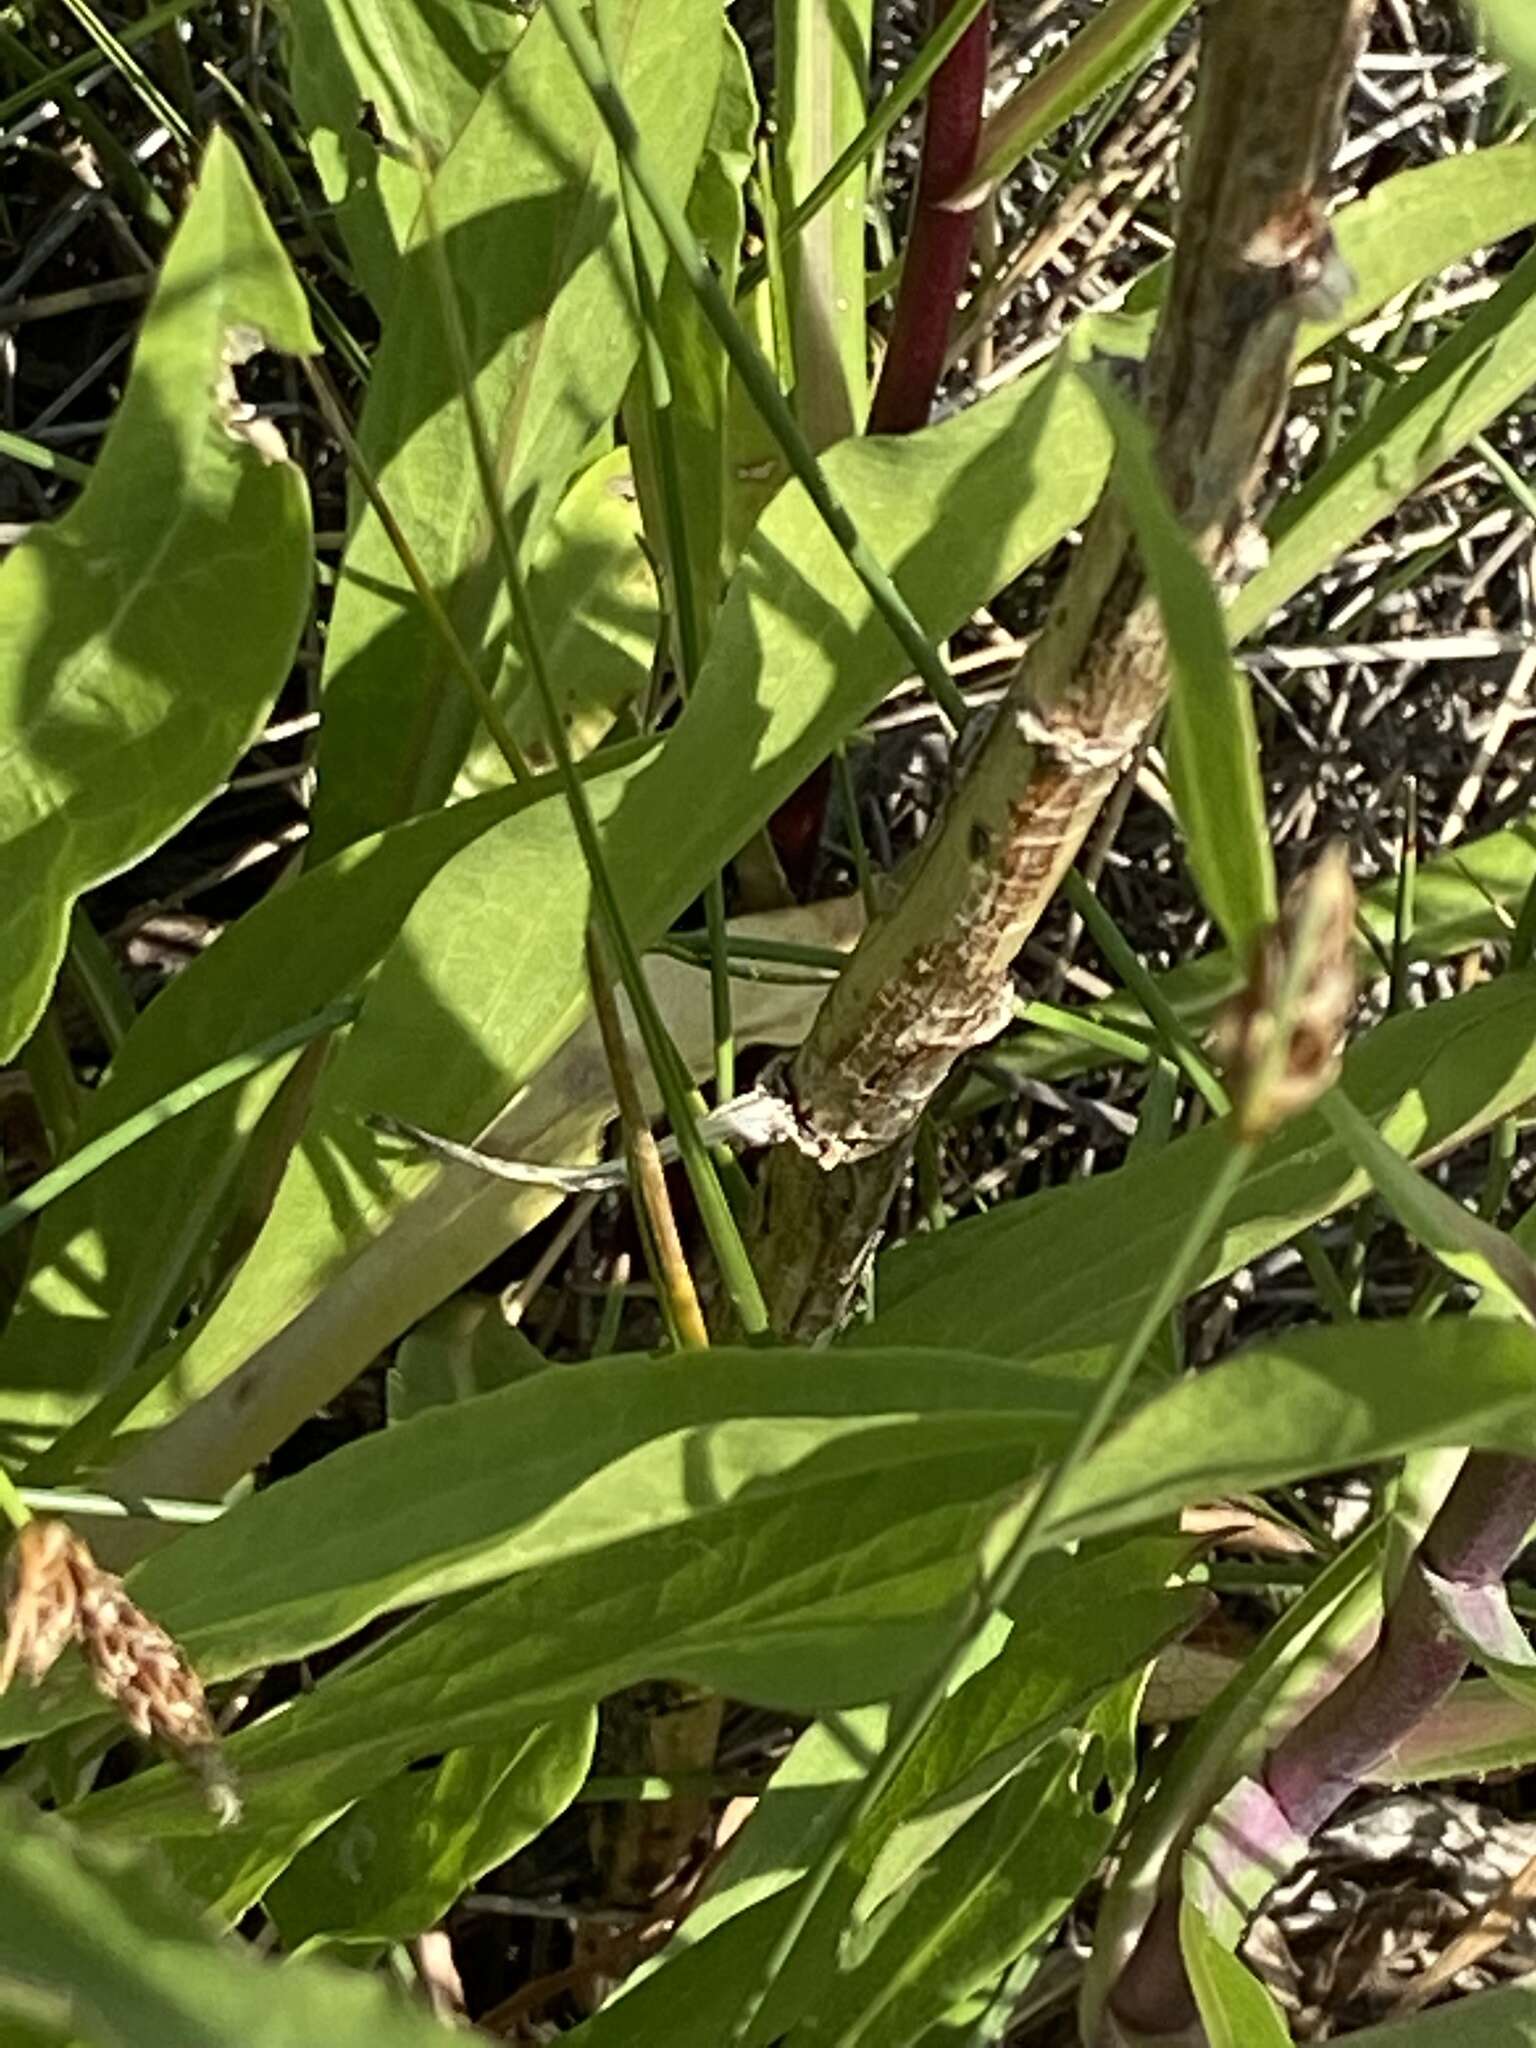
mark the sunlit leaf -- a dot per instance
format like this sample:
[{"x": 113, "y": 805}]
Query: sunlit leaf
[
  {"x": 193, "y": 533},
  {"x": 395, "y": 1863}
]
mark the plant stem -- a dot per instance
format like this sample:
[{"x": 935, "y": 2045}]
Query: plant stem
[
  {"x": 938, "y": 249},
  {"x": 647, "y": 1177},
  {"x": 98, "y": 1151},
  {"x": 932, "y": 977}
]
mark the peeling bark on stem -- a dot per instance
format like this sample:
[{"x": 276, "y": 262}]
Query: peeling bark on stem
[{"x": 932, "y": 977}]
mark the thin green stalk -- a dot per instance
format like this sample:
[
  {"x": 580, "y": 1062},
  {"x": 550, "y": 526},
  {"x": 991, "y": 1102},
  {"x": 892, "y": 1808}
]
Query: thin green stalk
[
  {"x": 176, "y": 1102},
  {"x": 719, "y": 1222},
  {"x": 431, "y": 604},
  {"x": 50, "y": 81},
  {"x": 1402, "y": 910},
  {"x": 761, "y": 972},
  {"x": 946, "y": 34},
  {"x": 771, "y": 265},
  {"x": 848, "y": 797},
  {"x": 740, "y": 949},
  {"x": 122, "y": 60},
  {"x": 1324, "y": 1274},
  {"x": 689, "y": 610},
  {"x": 1028, "y": 1539},
  {"x": 12, "y": 1506},
  {"x": 68, "y": 1500},
  {"x": 606, "y": 1340},
  {"x": 751, "y": 366},
  {"x": 1111, "y": 942},
  {"x": 1086, "y": 1030},
  {"x": 36, "y": 456},
  {"x": 97, "y": 976}
]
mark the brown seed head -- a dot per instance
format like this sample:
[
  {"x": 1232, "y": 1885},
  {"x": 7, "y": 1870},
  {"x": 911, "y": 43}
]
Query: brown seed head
[
  {"x": 1280, "y": 1038},
  {"x": 57, "y": 1594},
  {"x": 42, "y": 1603}
]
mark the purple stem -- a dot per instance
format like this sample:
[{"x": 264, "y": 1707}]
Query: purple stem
[
  {"x": 1415, "y": 1663},
  {"x": 938, "y": 251}
]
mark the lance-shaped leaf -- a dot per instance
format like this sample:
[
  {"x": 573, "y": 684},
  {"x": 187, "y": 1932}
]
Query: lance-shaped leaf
[
  {"x": 489, "y": 968},
  {"x": 93, "y": 1935},
  {"x": 628, "y": 1447},
  {"x": 1120, "y": 39},
  {"x": 402, "y": 1856},
  {"x": 1000, "y": 1886},
  {"x": 111, "y": 1262},
  {"x": 1489, "y": 1258},
  {"x": 527, "y": 204},
  {"x": 1237, "y": 2010},
  {"x": 359, "y": 66},
  {"x": 1464, "y": 385},
  {"x": 1427, "y": 1079},
  {"x": 117, "y": 716}
]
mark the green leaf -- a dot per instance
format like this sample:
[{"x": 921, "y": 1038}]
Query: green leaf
[
  {"x": 113, "y": 1262},
  {"x": 94, "y": 1928},
  {"x": 821, "y": 90},
  {"x": 1000, "y": 1886},
  {"x": 594, "y": 595},
  {"x": 1214, "y": 742},
  {"x": 1514, "y": 34},
  {"x": 192, "y": 533},
  {"x": 1505, "y": 2018},
  {"x": 725, "y": 1942},
  {"x": 1405, "y": 229},
  {"x": 394, "y": 1864},
  {"x": 697, "y": 365},
  {"x": 487, "y": 978},
  {"x": 1423, "y": 221},
  {"x": 1320, "y": 1399},
  {"x": 1081, "y": 1623},
  {"x": 1118, "y": 40},
  {"x": 1237, "y": 2010},
  {"x": 757, "y": 1604},
  {"x": 465, "y": 1347},
  {"x": 1460, "y": 1240},
  {"x": 418, "y": 72},
  {"x": 808, "y": 1563},
  {"x": 1482, "y": 1727},
  {"x": 623, "y": 1448},
  {"x": 526, "y": 201},
  {"x": 1096, "y": 1249},
  {"x": 1465, "y": 384}
]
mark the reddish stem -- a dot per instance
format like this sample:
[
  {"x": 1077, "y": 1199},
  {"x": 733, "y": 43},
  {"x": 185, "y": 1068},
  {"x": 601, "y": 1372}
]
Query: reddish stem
[
  {"x": 937, "y": 258},
  {"x": 1416, "y": 1661},
  {"x": 938, "y": 251}
]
